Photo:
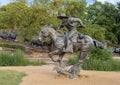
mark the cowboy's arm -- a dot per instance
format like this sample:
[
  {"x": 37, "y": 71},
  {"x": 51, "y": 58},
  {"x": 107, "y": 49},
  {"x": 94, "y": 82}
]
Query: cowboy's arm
[
  {"x": 61, "y": 25},
  {"x": 78, "y": 20}
]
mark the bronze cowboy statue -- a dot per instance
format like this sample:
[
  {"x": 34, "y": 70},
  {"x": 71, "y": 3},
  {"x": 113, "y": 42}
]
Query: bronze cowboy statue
[
  {"x": 75, "y": 42},
  {"x": 71, "y": 24}
]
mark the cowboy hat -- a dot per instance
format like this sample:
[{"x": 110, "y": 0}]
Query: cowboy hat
[{"x": 62, "y": 16}]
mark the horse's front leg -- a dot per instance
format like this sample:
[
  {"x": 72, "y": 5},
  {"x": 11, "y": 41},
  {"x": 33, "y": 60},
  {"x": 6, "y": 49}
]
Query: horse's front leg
[
  {"x": 60, "y": 57},
  {"x": 51, "y": 54}
]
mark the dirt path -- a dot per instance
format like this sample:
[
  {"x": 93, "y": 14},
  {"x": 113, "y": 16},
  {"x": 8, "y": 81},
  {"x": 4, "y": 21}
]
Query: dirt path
[{"x": 44, "y": 75}]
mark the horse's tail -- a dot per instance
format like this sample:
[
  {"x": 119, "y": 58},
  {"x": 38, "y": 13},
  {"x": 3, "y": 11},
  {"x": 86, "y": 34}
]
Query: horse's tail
[
  {"x": 98, "y": 44},
  {"x": 88, "y": 38}
]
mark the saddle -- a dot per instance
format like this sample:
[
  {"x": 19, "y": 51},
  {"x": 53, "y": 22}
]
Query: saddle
[
  {"x": 77, "y": 38},
  {"x": 80, "y": 37}
]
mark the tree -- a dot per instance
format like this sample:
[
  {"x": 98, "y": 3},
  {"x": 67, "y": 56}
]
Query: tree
[
  {"x": 75, "y": 8},
  {"x": 27, "y": 19},
  {"x": 105, "y": 15}
]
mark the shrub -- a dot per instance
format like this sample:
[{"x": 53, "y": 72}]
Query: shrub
[{"x": 100, "y": 54}]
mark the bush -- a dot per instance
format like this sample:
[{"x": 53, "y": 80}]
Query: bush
[{"x": 100, "y": 54}]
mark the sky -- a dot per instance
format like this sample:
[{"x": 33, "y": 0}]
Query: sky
[
  {"x": 110, "y": 1},
  {"x": 4, "y": 2}
]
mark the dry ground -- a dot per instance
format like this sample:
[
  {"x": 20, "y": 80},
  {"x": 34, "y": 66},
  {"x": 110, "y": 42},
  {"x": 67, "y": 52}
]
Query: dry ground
[{"x": 44, "y": 75}]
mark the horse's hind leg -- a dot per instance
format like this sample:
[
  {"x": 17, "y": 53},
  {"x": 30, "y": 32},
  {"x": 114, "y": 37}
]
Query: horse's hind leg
[
  {"x": 84, "y": 51},
  {"x": 83, "y": 56}
]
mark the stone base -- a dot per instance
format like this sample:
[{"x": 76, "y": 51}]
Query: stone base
[{"x": 72, "y": 72}]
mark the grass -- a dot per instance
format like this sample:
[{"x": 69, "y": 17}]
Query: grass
[
  {"x": 36, "y": 63},
  {"x": 10, "y": 77},
  {"x": 73, "y": 60},
  {"x": 12, "y": 59},
  {"x": 12, "y": 46},
  {"x": 17, "y": 59},
  {"x": 100, "y": 60},
  {"x": 99, "y": 65}
]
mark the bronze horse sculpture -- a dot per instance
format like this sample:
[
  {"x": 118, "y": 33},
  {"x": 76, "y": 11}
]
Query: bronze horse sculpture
[{"x": 84, "y": 44}]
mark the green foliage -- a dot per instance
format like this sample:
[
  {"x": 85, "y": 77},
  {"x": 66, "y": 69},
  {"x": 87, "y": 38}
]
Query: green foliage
[
  {"x": 100, "y": 54},
  {"x": 107, "y": 16},
  {"x": 101, "y": 19},
  {"x": 12, "y": 13},
  {"x": 111, "y": 36},
  {"x": 96, "y": 53},
  {"x": 100, "y": 59},
  {"x": 12, "y": 59},
  {"x": 10, "y": 77},
  {"x": 75, "y": 8},
  {"x": 94, "y": 31},
  {"x": 73, "y": 59},
  {"x": 12, "y": 46},
  {"x": 31, "y": 21},
  {"x": 26, "y": 19},
  {"x": 100, "y": 65},
  {"x": 17, "y": 59},
  {"x": 37, "y": 63}
]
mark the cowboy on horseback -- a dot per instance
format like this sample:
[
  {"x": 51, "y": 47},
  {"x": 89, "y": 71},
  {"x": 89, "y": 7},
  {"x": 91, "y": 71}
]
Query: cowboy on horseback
[{"x": 71, "y": 24}]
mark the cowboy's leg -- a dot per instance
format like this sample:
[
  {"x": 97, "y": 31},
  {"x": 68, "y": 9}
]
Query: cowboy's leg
[
  {"x": 72, "y": 33},
  {"x": 69, "y": 47}
]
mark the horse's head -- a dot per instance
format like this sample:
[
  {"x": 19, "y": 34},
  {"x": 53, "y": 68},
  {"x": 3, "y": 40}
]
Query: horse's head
[
  {"x": 46, "y": 31},
  {"x": 49, "y": 31},
  {"x": 43, "y": 33}
]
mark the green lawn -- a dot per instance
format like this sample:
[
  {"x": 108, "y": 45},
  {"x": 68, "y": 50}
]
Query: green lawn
[{"x": 10, "y": 77}]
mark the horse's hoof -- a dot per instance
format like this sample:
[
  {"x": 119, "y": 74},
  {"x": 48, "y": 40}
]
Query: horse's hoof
[{"x": 50, "y": 55}]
